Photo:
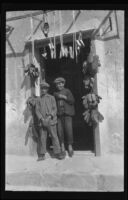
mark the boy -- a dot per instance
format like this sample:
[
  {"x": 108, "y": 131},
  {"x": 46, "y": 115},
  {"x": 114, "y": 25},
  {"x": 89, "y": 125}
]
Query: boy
[
  {"x": 65, "y": 111},
  {"x": 46, "y": 112}
]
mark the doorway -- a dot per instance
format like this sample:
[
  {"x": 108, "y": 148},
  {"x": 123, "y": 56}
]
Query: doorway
[{"x": 71, "y": 70}]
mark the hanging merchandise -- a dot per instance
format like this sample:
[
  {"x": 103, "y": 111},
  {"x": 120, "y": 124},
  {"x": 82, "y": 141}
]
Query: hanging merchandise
[
  {"x": 66, "y": 51},
  {"x": 44, "y": 54},
  {"x": 74, "y": 42},
  {"x": 71, "y": 52},
  {"x": 92, "y": 115},
  {"x": 32, "y": 71},
  {"x": 79, "y": 42},
  {"x": 45, "y": 25},
  {"x": 73, "y": 48},
  {"x": 54, "y": 36},
  {"x": 61, "y": 36},
  {"x": 88, "y": 82},
  {"x": 93, "y": 68},
  {"x": 85, "y": 67},
  {"x": 80, "y": 39},
  {"x": 51, "y": 46},
  {"x": 62, "y": 52}
]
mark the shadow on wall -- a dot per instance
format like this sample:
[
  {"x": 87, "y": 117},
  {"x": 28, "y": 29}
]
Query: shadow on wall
[
  {"x": 16, "y": 128},
  {"x": 26, "y": 114}
]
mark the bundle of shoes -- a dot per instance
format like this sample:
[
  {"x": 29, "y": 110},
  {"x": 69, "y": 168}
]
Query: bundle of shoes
[
  {"x": 32, "y": 71},
  {"x": 91, "y": 114},
  {"x": 88, "y": 82},
  {"x": 32, "y": 130},
  {"x": 90, "y": 66},
  {"x": 91, "y": 100}
]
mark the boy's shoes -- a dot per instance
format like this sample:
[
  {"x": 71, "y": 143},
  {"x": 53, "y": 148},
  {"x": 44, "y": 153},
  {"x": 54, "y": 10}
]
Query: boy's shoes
[
  {"x": 70, "y": 153},
  {"x": 59, "y": 156},
  {"x": 41, "y": 158},
  {"x": 63, "y": 153}
]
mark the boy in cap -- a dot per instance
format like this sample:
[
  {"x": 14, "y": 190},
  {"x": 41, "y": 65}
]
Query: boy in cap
[
  {"x": 65, "y": 111},
  {"x": 46, "y": 111}
]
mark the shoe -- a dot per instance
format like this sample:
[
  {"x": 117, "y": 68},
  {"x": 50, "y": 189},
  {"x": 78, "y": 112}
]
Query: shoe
[
  {"x": 41, "y": 158},
  {"x": 63, "y": 153},
  {"x": 70, "y": 153},
  {"x": 59, "y": 156}
]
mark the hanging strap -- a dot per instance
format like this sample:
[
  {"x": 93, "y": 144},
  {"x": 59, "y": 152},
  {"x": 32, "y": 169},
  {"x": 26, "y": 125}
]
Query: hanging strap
[
  {"x": 54, "y": 37},
  {"x": 61, "y": 38},
  {"x": 31, "y": 22},
  {"x": 73, "y": 33},
  {"x": 75, "y": 44}
]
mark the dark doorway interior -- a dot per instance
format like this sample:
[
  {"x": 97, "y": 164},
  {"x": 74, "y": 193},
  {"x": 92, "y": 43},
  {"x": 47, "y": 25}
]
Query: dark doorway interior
[{"x": 72, "y": 72}]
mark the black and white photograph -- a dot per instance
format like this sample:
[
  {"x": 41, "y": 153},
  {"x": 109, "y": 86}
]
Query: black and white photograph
[{"x": 64, "y": 103}]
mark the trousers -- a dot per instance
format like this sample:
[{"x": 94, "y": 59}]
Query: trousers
[
  {"x": 64, "y": 127},
  {"x": 42, "y": 140}
]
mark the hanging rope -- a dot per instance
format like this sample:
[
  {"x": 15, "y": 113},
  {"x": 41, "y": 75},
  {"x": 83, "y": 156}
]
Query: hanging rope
[
  {"x": 61, "y": 38},
  {"x": 54, "y": 37},
  {"x": 75, "y": 44},
  {"x": 51, "y": 45},
  {"x": 31, "y": 22},
  {"x": 35, "y": 72},
  {"x": 73, "y": 14}
]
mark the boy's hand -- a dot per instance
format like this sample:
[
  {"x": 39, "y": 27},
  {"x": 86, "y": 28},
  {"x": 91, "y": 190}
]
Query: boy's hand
[{"x": 62, "y": 96}]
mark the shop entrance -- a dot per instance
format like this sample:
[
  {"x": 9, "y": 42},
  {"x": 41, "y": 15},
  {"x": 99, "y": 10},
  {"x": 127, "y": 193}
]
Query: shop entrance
[{"x": 71, "y": 70}]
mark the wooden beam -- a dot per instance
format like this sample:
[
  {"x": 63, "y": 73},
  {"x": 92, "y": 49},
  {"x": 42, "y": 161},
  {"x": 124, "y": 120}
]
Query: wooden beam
[
  {"x": 27, "y": 15},
  {"x": 66, "y": 37}
]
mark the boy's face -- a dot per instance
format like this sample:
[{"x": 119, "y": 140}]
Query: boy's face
[
  {"x": 44, "y": 91},
  {"x": 60, "y": 86}
]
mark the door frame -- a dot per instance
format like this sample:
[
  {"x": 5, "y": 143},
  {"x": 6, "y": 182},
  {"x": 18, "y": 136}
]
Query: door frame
[{"x": 96, "y": 130}]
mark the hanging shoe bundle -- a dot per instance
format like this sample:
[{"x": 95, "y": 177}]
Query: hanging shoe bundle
[
  {"x": 79, "y": 42},
  {"x": 54, "y": 56},
  {"x": 51, "y": 46},
  {"x": 85, "y": 67},
  {"x": 96, "y": 116},
  {"x": 71, "y": 52},
  {"x": 91, "y": 114},
  {"x": 90, "y": 67},
  {"x": 32, "y": 71},
  {"x": 61, "y": 37},
  {"x": 62, "y": 51},
  {"x": 87, "y": 115},
  {"x": 45, "y": 25},
  {"x": 88, "y": 82},
  {"x": 44, "y": 53},
  {"x": 93, "y": 69},
  {"x": 93, "y": 117}
]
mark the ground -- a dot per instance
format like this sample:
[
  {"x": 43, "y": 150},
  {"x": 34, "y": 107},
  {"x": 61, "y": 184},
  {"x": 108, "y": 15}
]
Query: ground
[{"x": 83, "y": 172}]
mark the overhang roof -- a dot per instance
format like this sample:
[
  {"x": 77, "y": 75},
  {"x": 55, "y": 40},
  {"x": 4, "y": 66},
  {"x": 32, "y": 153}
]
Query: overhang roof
[{"x": 82, "y": 23}]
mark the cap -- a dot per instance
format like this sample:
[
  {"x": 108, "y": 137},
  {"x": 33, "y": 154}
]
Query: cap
[
  {"x": 59, "y": 80},
  {"x": 44, "y": 85}
]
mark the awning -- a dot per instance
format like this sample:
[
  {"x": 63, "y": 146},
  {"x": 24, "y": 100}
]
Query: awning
[{"x": 82, "y": 23}]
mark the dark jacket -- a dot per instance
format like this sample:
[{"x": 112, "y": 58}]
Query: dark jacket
[{"x": 65, "y": 106}]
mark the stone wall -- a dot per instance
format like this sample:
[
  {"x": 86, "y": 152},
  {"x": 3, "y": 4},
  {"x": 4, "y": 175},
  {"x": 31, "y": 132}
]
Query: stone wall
[{"x": 110, "y": 87}]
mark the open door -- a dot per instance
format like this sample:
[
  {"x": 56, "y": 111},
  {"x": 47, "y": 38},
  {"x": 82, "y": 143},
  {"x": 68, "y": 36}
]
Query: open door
[{"x": 72, "y": 72}]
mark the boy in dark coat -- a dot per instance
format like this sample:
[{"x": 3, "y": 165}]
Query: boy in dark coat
[{"x": 65, "y": 111}]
